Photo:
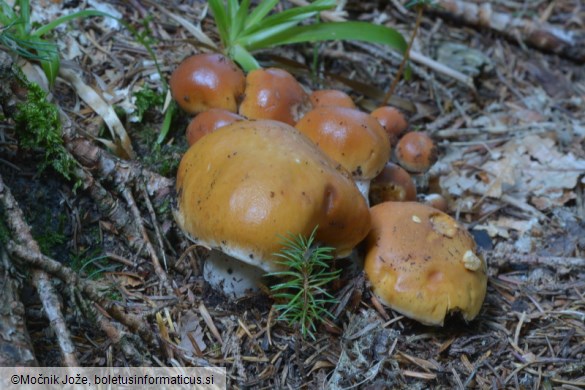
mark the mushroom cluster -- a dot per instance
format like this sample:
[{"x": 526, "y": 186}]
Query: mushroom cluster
[{"x": 269, "y": 158}]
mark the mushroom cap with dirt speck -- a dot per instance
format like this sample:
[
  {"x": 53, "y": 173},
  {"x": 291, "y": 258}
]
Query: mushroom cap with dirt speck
[
  {"x": 423, "y": 264},
  {"x": 331, "y": 97},
  {"x": 349, "y": 136},
  {"x": 245, "y": 186},
  {"x": 416, "y": 152},
  {"x": 207, "y": 80},
  {"x": 275, "y": 94}
]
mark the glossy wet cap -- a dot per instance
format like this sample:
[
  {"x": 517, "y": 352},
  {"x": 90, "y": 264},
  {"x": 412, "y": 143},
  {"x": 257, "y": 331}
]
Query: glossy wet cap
[
  {"x": 208, "y": 80},
  {"x": 349, "y": 136},
  {"x": 416, "y": 152},
  {"x": 245, "y": 186},
  {"x": 274, "y": 93}
]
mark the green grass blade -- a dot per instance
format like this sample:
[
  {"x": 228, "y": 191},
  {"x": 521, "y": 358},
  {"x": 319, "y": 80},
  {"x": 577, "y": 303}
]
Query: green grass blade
[
  {"x": 232, "y": 8},
  {"x": 244, "y": 58},
  {"x": 221, "y": 20},
  {"x": 167, "y": 121},
  {"x": 260, "y": 12},
  {"x": 25, "y": 14},
  {"x": 239, "y": 20},
  {"x": 48, "y": 55},
  {"x": 7, "y": 15},
  {"x": 296, "y": 14},
  {"x": 249, "y": 40},
  {"x": 361, "y": 31},
  {"x": 66, "y": 18},
  {"x": 25, "y": 48}
]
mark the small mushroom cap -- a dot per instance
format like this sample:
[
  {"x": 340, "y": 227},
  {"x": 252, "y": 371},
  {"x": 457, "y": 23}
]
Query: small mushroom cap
[
  {"x": 349, "y": 136},
  {"x": 423, "y": 264},
  {"x": 392, "y": 120},
  {"x": 331, "y": 97},
  {"x": 209, "y": 121},
  {"x": 392, "y": 184},
  {"x": 245, "y": 186},
  {"x": 416, "y": 152},
  {"x": 208, "y": 80},
  {"x": 274, "y": 94}
]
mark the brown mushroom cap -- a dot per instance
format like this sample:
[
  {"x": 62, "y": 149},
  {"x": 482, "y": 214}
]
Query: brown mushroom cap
[
  {"x": 392, "y": 120},
  {"x": 392, "y": 184},
  {"x": 205, "y": 81},
  {"x": 351, "y": 137},
  {"x": 245, "y": 186},
  {"x": 331, "y": 97},
  {"x": 416, "y": 152},
  {"x": 423, "y": 264},
  {"x": 209, "y": 121},
  {"x": 274, "y": 94}
]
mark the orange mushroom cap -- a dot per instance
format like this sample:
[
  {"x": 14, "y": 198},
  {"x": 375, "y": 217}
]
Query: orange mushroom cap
[
  {"x": 423, "y": 264},
  {"x": 205, "y": 81},
  {"x": 331, "y": 97},
  {"x": 245, "y": 186},
  {"x": 274, "y": 94},
  {"x": 209, "y": 121},
  {"x": 392, "y": 120},
  {"x": 351, "y": 137},
  {"x": 416, "y": 152}
]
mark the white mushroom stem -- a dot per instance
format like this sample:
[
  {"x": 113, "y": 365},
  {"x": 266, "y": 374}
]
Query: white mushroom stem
[
  {"x": 231, "y": 276},
  {"x": 364, "y": 187}
]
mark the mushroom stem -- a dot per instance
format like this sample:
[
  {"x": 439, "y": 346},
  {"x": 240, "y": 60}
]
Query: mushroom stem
[
  {"x": 231, "y": 276},
  {"x": 364, "y": 187}
]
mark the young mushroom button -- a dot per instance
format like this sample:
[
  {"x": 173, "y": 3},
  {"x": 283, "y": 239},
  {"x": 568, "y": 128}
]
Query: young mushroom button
[
  {"x": 416, "y": 152},
  {"x": 423, "y": 264},
  {"x": 246, "y": 185}
]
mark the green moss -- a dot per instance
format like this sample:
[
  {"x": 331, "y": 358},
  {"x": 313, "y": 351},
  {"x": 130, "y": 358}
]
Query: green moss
[
  {"x": 147, "y": 99},
  {"x": 49, "y": 231},
  {"x": 161, "y": 158},
  {"x": 39, "y": 127},
  {"x": 4, "y": 230}
]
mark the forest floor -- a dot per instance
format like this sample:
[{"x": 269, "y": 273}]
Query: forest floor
[{"x": 510, "y": 127}]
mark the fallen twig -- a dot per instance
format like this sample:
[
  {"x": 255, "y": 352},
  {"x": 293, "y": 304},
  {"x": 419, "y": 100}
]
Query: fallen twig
[
  {"x": 538, "y": 34},
  {"x": 15, "y": 344},
  {"x": 47, "y": 295},
  {"x": 92, "y": 290},
  {"x": 503, "y": 260},
  {"x": 413, "y": 55}
]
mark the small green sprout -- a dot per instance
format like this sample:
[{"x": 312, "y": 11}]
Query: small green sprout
[
  {"x": 243, "y": 30},
  {"x": 302, "y": 292},
  {"x": 17, "y": 35}
]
